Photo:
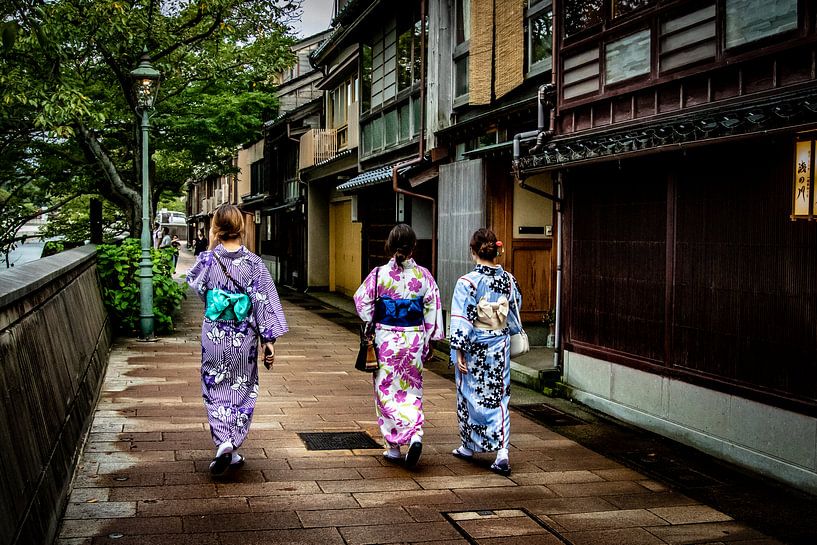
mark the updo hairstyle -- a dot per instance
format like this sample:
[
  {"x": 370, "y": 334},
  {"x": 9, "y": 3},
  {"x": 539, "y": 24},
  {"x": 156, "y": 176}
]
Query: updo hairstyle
[
  {"x": 228, "y": 222},
  {"x": 401, "y": 243},
  {"x": 483, "y": 243}
]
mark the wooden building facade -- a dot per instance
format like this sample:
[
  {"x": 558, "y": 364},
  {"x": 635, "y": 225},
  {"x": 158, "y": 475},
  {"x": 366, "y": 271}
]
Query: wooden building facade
[{"x": 690, "y": 300}]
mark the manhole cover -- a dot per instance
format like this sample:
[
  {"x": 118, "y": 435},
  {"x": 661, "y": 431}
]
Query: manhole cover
[
  {"x": 495, "y": 526},
  {"x": 548, "y": 415},
  {"x": 338, "y": 441}
]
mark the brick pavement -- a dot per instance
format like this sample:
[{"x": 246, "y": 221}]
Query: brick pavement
[{"x": 144, "y": 478}]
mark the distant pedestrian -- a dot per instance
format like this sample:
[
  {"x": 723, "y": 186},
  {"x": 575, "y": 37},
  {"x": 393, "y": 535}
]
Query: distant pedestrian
[
  {"x": 403, "y": 301},
  {"x": 176, "y": 246},
  {"x": 201, "y": 243},
  {"x": 166, "y": 240},
  {"x": 157, "y": 235},
  {"x": 242, "y": 309},
  {"x": 482, "y": 321}
]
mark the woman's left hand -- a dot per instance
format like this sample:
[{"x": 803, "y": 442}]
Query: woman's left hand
[
  {"x": 269, "y": 354},
  {"x": 461, "y": 365}
]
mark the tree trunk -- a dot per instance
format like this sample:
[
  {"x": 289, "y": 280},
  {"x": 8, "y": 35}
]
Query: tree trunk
[{"x": 112, "y": 185}]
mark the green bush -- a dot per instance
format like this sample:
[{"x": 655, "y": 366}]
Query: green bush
[{"x": 119, "y": 272}]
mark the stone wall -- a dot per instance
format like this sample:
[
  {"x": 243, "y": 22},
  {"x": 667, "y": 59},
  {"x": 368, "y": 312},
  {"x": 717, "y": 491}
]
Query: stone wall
[
  {"x": 54, "y": 341},
  {"x": 774, "y": 442}
]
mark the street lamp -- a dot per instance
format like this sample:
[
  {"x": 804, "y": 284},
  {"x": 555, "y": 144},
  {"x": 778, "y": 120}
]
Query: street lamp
[{"x": 146, "y": 87}]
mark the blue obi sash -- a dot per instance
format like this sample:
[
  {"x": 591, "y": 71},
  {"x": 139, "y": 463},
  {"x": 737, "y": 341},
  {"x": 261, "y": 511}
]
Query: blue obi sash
[
  {"x": 223, "y": 305},
  {"x": 399, "y": 312}
]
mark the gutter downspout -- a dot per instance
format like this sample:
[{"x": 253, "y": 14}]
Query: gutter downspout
[
  {"x": 557, "y": 348},
  {"x": 421, "y": 153}
]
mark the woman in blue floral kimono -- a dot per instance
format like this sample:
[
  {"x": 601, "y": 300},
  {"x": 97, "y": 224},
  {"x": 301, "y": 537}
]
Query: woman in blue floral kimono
[
  {"x": 482, "y": 320},
  {"x": 403, "y": 301},
  {"x": 242, "y": 306}
]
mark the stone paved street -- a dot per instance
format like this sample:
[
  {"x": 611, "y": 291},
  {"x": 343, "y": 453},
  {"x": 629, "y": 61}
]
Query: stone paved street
[{"x": 144, "y": 476}]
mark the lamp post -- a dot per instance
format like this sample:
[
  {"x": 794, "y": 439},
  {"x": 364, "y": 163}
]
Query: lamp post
[{"x": 146, "y": 87}]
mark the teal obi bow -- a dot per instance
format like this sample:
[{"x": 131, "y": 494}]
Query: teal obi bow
[{"x": 223, "y": 305}]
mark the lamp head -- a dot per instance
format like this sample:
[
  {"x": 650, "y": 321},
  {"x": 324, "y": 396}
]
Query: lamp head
[{"x": 146, "y": 83}]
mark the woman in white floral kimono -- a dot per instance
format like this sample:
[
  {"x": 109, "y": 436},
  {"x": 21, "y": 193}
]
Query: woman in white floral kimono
[{"x": 403, "y": 301}]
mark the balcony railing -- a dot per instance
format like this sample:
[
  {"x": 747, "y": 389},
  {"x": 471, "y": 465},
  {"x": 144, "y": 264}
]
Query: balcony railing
[{"x": 319, "y": 145}]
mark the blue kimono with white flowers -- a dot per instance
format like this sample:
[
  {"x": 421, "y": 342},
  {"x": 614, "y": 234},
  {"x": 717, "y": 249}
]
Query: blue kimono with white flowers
[{"x": 484, "y": 392}]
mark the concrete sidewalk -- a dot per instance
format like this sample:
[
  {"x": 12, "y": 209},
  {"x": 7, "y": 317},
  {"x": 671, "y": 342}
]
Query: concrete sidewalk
[{"x": 144, "y": 475}]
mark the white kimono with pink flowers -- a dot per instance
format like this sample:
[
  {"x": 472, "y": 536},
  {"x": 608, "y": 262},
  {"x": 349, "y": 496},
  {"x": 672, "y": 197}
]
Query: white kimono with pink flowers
[{"x": 403, "y": 339}]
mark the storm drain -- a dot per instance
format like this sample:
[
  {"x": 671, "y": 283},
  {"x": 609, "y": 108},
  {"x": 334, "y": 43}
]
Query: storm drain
[
  {"x": 355, "y": 440},
  {"x": 548, "y": 415},
  {"x": 490, "y": 527}
]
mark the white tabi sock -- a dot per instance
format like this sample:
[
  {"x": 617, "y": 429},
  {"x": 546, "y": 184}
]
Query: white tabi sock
[
  {"x": 236, "y": 458},
  {"x": 224, "y": 448},
  {"x": 466, "y": 451},
  {"x": 502, "y": 454},
  {"x": 393, "y": 452}
]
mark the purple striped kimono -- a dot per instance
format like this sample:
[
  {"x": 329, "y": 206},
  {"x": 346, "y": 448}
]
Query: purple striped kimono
[{"x": 229, "y": 349}]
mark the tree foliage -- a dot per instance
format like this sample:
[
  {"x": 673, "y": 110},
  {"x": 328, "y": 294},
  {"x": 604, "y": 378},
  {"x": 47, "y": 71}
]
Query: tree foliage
[
  {"x": 118, "y": 267},
  {"x": 67, "y": 121}
]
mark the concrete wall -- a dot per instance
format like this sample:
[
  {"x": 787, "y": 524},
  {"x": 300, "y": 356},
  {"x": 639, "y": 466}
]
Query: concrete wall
[
  {"x": 774, "y": 442},
  {"x": 54, "y": 341}
]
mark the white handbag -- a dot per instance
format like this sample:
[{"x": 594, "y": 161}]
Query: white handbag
[{"x": 519, "y": 342}]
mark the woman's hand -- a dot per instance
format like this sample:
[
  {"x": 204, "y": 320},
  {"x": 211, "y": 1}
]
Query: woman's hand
[
  {"x": 269, "y": 354},
  {"x": 461, "y": 365}
]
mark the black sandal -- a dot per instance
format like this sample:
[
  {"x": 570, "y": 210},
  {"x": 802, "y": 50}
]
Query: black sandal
[
  {"x": 502, "y": 467},
  {"x": 413, "y": 454},
  {"x": 220, "y": 464},
  {"x": 239, "y": 463}
]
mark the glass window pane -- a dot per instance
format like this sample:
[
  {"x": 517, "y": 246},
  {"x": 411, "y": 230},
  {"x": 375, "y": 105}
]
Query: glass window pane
[
  {"x": 463, "y": 21},
  {"x": 377, "y": 133},
  {"x": 628, "y": 57},
  {"x": 461, "y": 77},
  {"x": 367, "y": 138},
  {"x": 751, "y": 20},
  {"x": 405, "y": 122},
  {"x": 415, "y": 110},
  {"x": 404, "y": 61},
  {"x": 366, "y": 79},
  {"x": 417, "y": 45},
  {"x": 391, "y": 128},
  {"x": 541, "y": 37},
  {"x": 624, "y": 7},
  {"x": 582, "y": 14}
]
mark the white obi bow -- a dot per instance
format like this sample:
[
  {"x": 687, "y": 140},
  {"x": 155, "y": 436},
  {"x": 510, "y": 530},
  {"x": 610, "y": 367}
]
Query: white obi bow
[{"x": 492, "y": 315}]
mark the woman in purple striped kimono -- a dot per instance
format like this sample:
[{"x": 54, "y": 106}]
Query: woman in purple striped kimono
[{"x": 242, "y": 306}]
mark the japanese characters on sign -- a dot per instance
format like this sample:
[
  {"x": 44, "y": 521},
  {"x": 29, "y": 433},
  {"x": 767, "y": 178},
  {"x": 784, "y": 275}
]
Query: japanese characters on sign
[{"x": 803, "y": 191}]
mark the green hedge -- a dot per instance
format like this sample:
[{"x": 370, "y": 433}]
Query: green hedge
[{"x": 119, "y": 272}]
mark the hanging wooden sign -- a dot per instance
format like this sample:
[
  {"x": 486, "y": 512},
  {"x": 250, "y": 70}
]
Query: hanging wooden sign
[{"x": 804, "y": 199}]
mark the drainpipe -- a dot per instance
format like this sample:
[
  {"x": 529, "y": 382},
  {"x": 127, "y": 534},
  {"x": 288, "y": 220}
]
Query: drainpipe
[
  {"x": 421, "y": 153},
  {"x": 557, "y": 349}
]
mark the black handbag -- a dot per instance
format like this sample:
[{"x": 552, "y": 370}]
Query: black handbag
[{"x": 367, "y": 353}]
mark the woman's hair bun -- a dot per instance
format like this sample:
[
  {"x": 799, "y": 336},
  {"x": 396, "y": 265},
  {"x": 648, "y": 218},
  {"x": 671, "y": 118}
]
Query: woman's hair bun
[{"x": 484, "y": 244}]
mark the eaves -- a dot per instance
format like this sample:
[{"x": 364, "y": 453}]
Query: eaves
[{"x": 341, "y": 34}]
